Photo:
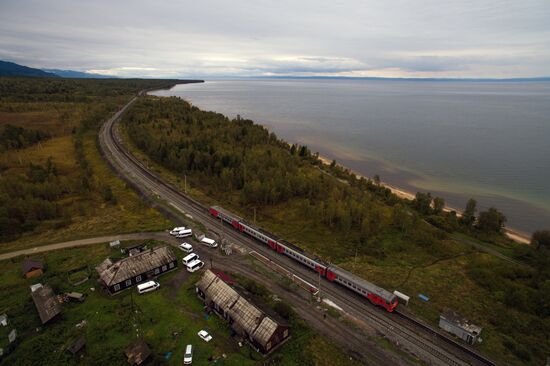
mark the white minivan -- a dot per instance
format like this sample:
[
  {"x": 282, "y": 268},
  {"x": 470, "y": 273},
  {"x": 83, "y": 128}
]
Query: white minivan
[
  {"x": 195, "y": 266},
  {"x": 190, "y": 258},
  {"x": 148, "y": 287},
  {"x": 184, "y": 233},
  {"x": 175, "y": 231},
  {"x": 188, "y": 357},
  {"x": 186, "y": 247},
  {"x": 209, "y": 242}
]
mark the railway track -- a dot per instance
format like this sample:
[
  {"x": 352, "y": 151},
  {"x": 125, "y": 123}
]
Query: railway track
[{"x": 129, "y": 166}]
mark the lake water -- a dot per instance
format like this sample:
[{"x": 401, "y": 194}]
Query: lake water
[{"x": 486, "y": 140}]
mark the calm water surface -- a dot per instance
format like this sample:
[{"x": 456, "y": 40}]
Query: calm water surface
[{"x": 486, "y": 140}]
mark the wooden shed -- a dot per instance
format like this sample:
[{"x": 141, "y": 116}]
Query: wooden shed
[
  {"x": 46, "y": 303},
  {"x": 137, "y": 353},
  {"x": 32, "y": 268}
]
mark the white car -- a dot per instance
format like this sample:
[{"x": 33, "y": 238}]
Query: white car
[
  {"x": 186, "y": 247},
  {"x": 188, "y": 356},
  {"x": 209, "y": 242},
  {"x": 205, "y": 336},
  {"x": 184, "y": 233},
  {"x": 175, "y": 231},
  {"x": 195, "y": 265}
]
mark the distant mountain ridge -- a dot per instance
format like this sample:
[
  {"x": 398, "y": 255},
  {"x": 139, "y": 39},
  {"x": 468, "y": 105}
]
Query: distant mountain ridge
[
  {"x": 77, "y": 74},
  {"x": 12, "y": 69}
]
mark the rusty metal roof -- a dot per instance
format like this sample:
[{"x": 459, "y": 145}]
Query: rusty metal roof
[
  {"x": 265, "y": 330},
  {"x": 46, "y": 303},
  {"x": 132, "y": 266},
  {"x": 246, "y": 314},
  {"x": 221, "y": 293}
]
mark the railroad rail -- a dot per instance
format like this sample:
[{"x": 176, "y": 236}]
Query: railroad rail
[{"x": 113, "y": 148}]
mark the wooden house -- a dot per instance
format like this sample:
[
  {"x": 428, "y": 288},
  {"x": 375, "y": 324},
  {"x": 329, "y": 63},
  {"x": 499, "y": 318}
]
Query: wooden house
[{"x": 138, "y": 268}]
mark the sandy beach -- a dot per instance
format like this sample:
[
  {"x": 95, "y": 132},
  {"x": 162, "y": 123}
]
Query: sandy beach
[{"x": 403, "y": 194}]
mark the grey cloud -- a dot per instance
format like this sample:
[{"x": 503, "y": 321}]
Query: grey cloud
[{"x": 481, "y": 38}]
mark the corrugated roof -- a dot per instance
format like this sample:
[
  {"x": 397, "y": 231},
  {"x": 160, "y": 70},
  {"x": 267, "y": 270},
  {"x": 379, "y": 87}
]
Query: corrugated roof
[
  {"x": 246, "y": 314},
  {"x": 221, "y": 293},
  {"x": 206, "y": 280},
  {"x": 461, "y": 322},
  {"x": 46, "y": 303},
  {"x": 137, "y": 264},
  {"x": 265, "y": 330}
]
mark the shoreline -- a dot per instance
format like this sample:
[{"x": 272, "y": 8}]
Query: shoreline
[{"x": 516, "y": 236}]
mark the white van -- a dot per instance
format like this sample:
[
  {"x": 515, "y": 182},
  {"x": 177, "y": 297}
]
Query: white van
[
  {"x": 209, "y": 242},
  {"x": 195, "y": 266},
  {"x": 188, "y": 357},
  {"x": 176, "y": 230},
  {"x": 184, "y": 233},
  {"x": 190, "y": 258},
  {"x": 186, "y": 247},
  {"x": 148, "y": 287}
]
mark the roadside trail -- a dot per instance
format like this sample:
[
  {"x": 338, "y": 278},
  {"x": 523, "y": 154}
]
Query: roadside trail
[{"x": 88, "y": 241}]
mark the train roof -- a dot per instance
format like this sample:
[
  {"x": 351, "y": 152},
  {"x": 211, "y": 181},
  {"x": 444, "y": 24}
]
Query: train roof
[
  {"x": 227, "y": 213},
  {"x": 265, "y": 232},
  {"x": 379, "y": 291}
]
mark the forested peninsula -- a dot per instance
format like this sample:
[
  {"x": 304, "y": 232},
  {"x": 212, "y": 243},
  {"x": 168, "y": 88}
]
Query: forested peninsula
[{"x": 414, "y": 246}]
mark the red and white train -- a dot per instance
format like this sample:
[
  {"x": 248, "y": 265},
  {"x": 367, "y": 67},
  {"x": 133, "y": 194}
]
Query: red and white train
[{"x": 375, "y": 294}]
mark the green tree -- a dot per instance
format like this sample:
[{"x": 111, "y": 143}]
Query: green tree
[
  {"x": 541, "y": 239},
  {"x": 439, "y": 205},
  {"x": 491, "y": 220},
  {"x": 423, "y": 203},
  {"x": 468, "y": 216}
]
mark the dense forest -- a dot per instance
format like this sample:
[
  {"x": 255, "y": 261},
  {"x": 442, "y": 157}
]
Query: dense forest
[
  {"x": 356, "y": 222},
  {"x": 46, "y": 178}
]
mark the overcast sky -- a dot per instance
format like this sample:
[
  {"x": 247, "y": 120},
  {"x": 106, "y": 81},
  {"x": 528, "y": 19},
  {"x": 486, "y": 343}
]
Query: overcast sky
[{"x": 157, "y": 38}]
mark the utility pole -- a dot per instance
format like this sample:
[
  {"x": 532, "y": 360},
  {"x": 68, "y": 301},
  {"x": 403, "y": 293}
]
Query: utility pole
[
  {"x": 254, "y": 215},
  {"x": 185, "y": 184}
]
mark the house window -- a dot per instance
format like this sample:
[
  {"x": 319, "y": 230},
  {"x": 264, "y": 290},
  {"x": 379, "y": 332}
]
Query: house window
[
  {"x": 164, "y": 268},
  {"x": 171, "y": 265},
  {"x": 157, "y": 271},
  {"x": 268, "y": 346},
  {"x": 116, "y": 287},
  {"x": 128, "y": 283},
  {"x": 138, "y": 278}
]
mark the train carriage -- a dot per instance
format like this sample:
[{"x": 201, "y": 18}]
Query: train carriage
[
  {"x": 375, "y": 294},
  {"x": 226, "y": 216}
]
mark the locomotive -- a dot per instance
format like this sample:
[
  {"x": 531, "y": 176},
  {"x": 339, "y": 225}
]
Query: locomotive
[{"x": 376, "y": 295}]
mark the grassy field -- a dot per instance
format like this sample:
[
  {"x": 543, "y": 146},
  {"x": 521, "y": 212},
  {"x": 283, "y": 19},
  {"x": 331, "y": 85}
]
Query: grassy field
[{"x": 111, "y": 325}]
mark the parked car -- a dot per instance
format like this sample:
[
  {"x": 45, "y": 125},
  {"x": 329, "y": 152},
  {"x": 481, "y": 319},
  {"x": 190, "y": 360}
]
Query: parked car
[
  {"x": 184, "y": 233},
  {"x": 186, "y": 247},
  {"x": 188, "y": 356},
  {"x": 195, "y": 266},
  {"x": 175, "y": 231},
  {"x": 148, "y": 287},
  {"x": 209, "y": 242},
  {"x": 189, "y": 258},
  {"x": 205, "y": 336}
]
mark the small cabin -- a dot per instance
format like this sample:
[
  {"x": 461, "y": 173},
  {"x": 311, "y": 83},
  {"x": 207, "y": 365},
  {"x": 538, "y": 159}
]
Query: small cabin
[
  {"x": 137, "y": 353},
  {"x": 32, "y": 268},
  {"x": 460, "y": 327}
]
